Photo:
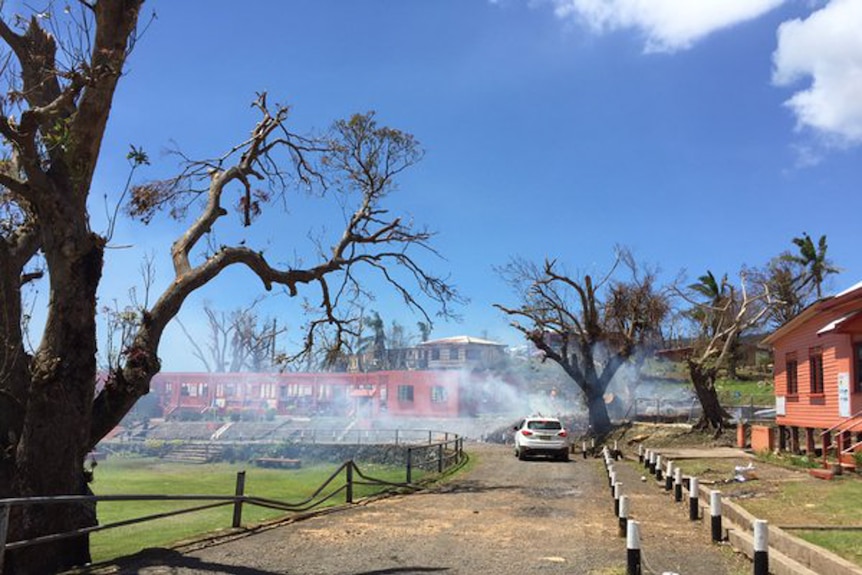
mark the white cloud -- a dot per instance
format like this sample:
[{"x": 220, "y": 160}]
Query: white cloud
[
  {"x": 669, "y": 25},
  {"x": 827, "y": 48}
]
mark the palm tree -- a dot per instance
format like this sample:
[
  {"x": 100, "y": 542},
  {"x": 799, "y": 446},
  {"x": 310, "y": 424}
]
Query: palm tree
[
  {"x": 716, "y": 294},
  {"x": 813, "y": 259}
]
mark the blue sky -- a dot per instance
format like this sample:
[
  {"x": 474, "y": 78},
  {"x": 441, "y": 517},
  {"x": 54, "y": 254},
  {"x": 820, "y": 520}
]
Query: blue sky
[{"x": 701, "y": 138}]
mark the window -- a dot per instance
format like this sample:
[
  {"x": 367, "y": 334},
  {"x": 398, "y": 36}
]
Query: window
[
  {"x": 791, "y": 369},
  {"x": 472, "y": 353},
  {"x": 405, "y": 393},
  {"x": 857, "y": 382},
  {"x": 435, "y": 353},
  {"x": 438, "y": 394},
  {"x": 169, "y": 387},
  {"x": 544, "y": 425},
  {"x": 453, "y": 353},
  {"x": 184, "y": 389},
  {"x": 815, "y": 368}
]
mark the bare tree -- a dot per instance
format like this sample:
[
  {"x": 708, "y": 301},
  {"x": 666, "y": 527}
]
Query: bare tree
[
  {"x": 590, "y": 328},
  {"x": 236, "y": 341},
  {"x": 55, "y": 110},
  {"x": 720, "y": 317}
]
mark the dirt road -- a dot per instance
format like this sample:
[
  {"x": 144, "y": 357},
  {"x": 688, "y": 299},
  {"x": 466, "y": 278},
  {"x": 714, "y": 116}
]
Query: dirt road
[{"x": 503, "y": 517}]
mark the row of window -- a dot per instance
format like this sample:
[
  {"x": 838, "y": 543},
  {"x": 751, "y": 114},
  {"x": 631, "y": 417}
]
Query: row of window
[
  {"x": 455, "y": 354},
  {"x": 815, "y": 370},
  {"x": 405, "y": 392},
  {"x": 438, "y": 394}
]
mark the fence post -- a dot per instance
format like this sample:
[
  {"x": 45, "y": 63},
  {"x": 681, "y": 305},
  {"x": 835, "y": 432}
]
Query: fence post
[
  {"x": 396, "y": 437},
  {"x": 409, "y": 465},
  {"x": 237, "y": 505},
  {"x": 349, "y": 490},
  {"x": 440, "y": 458},
  {"x": 430, "y": 440},
  {"x": 4, "y": 526}
]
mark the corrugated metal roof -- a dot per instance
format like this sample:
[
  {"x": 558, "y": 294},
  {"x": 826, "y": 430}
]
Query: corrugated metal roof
[
  {"x": 461, "y": 340},
  {"x": 837, "y": 323}
]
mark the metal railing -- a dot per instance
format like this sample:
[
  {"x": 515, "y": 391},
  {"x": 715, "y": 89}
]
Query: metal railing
[{"x": 434, "y": 457}]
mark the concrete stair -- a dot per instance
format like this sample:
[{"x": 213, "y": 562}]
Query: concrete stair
[{"x": 194, "y": 453}]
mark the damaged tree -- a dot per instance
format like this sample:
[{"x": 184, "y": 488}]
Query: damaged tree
[
  {"x": 237, "y": 341},
  {"x": 721, "y": 318},
  {"x": 590, "y": 329},
  {"x": 52, "y": 126}
]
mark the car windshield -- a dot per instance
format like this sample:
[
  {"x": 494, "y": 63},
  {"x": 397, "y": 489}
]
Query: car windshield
[{"x": 544, "y": 424}]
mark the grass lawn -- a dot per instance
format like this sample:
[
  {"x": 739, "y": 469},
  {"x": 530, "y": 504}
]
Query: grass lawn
[
  {"x": 138, "y": 476},
  {"x": 792, "y": 498},
  {"x": 743, "y": 392}
]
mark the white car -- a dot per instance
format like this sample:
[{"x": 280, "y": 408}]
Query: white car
[{"x": 541, "y": 436}]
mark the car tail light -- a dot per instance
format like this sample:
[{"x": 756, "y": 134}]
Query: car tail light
[
  {"x": 562, "y": 433},
  {"x": 526, "y": 432}
]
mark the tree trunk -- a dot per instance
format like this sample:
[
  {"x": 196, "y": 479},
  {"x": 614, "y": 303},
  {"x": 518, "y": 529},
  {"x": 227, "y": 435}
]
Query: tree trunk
[
  {"x": 49, "y": 459},
  {"x": 713, "y": 415},
  {"x": 600, "y": 422}
]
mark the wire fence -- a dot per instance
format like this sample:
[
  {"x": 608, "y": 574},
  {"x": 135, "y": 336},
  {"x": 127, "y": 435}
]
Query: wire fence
[{"x": 432, "y": 457}]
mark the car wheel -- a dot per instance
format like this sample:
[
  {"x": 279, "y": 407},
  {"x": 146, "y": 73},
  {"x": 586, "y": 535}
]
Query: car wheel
[
  {"x": 522, "y": 454},
  {"x": 564, "y": 455}
]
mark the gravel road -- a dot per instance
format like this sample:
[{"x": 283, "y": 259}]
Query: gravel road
[{"x": 503, "y": 517}]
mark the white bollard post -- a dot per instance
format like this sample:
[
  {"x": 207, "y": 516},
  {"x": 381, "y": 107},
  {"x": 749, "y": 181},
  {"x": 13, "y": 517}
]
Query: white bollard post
[
  {"x": 633, "y": 549},
  {"x": 677, "y": 484},
  {"x": 693, "y": 491},
  {"x": 668, "y": 476},
  {"x": 715, "y": 514},
  {"x": 618, "y": 492},
  {"x": 761, "y": 547},
  {"x": 623, "y": 514}
]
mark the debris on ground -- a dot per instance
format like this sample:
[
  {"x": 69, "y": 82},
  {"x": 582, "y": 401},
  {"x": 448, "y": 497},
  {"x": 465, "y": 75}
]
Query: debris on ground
[{"x": 744, "y": 473}]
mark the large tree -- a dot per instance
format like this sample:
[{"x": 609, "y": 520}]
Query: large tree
[
  {"x": 589, "y": 328},
  {"x": 721, "y": 314},
  {"x": 57, "y": 101}
]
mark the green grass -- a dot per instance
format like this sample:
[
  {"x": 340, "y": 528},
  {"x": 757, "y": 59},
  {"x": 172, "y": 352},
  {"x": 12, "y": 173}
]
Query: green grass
[
  {"x": 795, "y": 501},
  {"x": 744, "y": 392},
  {"x": 137, "y": 476},
  {"x": 847, "y": 544}
]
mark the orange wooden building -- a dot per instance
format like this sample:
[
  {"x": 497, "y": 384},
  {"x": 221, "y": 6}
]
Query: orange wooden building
[{"x": 818, "y": 376}]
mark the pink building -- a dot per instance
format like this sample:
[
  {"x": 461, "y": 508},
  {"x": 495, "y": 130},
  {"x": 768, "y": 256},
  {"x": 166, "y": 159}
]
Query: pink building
[{"x": 818, "y": 375}]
